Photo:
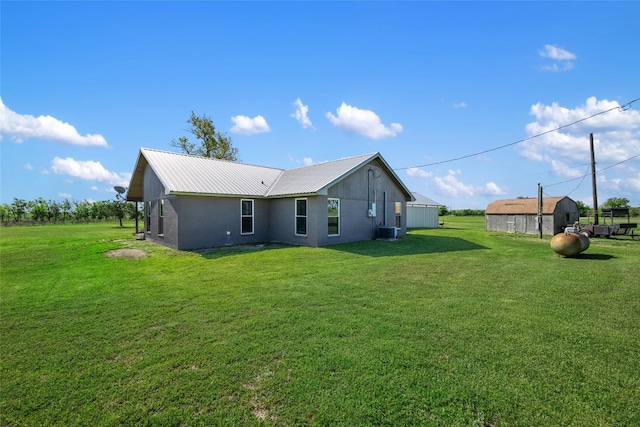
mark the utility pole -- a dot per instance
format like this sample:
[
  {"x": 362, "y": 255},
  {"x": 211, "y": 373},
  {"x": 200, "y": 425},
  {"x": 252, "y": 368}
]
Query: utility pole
[
  {"x": 540, "y": 210},
  {"x": 593, "y": 182}
]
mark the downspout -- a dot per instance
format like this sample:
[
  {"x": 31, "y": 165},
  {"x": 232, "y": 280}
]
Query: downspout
[{"x": 384, "y": 211}]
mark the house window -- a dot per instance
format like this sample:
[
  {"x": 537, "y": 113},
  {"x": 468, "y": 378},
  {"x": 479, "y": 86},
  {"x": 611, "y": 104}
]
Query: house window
[
  {"x": 148, "y": 216},
  {"x": 161, "y": 217},
  {"x": 333, "y": 214},
  {"x": 399, "y": 214},
  {"x": 246, "y": 208},
  {"x": 301, "y": 217}
]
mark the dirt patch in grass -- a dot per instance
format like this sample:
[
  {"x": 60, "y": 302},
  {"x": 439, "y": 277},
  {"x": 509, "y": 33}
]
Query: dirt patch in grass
[{"x": 126, "y": 253}]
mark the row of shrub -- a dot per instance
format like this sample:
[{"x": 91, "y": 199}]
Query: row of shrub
[{"x": 42, "y": 211}]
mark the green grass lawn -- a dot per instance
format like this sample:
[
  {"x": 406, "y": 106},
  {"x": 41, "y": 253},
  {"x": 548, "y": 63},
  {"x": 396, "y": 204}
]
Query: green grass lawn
[{"x": 444, "y": 327}]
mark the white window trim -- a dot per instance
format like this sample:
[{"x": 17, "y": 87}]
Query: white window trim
[
  {"x": 338, "y": 216},
  {"x": 147, "y": 219},
  {"x": 242, "y": 216},
  {"x": 161, "y": 216},
  {"x": 398, "y": 214},
  {"x": 306, "y": 217}
]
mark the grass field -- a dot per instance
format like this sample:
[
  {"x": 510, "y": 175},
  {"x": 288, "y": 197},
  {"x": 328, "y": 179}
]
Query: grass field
[{"x": 445, "y": 327}]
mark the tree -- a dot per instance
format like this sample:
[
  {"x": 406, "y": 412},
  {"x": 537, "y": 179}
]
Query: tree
[
  {"x": 39, "y": 209},
  {"x": 18, "y": 209},
  {"x": 582, "y": 208},
  {"x": 65, "y": 207},
  {"x": 213, "y": 144},
  {"x": 616, "y": 202},
  {"x": 5, "y": 212}
]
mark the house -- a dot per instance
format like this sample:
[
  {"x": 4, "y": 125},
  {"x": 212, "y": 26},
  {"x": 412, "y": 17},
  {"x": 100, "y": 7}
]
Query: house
[
  {"x": 520, "y": 215},
  {"x": 195, "y": 202},
  {"x": 422, "y": 212}
]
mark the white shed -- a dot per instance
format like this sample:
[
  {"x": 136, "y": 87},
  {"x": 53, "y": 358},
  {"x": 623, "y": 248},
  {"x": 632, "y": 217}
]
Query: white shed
[{"x": 423, "y": 212}]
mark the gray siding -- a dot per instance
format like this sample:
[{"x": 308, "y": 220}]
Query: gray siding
[
  {"x": 195, "y": 222},
  {"x": 205, "y": 221},
  {"x": 154, "y": 192},
  {"x": 356, "y": 192}
]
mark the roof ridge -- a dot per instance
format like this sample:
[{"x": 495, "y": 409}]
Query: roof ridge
[
  {"x": 209, "y": 158},
  {"x": 335, "y": 160}
]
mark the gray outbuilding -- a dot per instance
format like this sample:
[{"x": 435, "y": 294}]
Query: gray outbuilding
[
  {"x": 423, "y": 212},
  {"x": 520, "y": 215},
  {"x": 195, "y": 202}
]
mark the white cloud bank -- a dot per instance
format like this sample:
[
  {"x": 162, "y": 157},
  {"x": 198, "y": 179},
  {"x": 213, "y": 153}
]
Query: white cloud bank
[
  {"x": 616, "y": 136},
  {"x": 301, "y": 114},
  {"x": 363, "y": 122},
  {"x": 451, "y": 186},
  {"x": 88, "y": 171},
  {"x": 563, "y": 59},
  {"x": 20, "y": 127},
  {"x": 244, "y": 125},
  {"x": 616, "y": 133}
]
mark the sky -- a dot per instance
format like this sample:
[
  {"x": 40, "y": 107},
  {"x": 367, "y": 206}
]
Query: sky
[{"x": 468, "y": 102}]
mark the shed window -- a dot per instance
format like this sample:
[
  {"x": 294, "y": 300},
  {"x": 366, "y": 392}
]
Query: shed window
[
  {"x": 246, "y": 207},
  {"x": 301, "y": 217},
  {"x": 333, "y": 214},
  {"x": 161, "y": 217},
  {"x": 399, "y": 214}
]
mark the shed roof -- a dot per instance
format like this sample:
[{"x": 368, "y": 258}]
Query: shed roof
[
  {"x": 523, "y": 206},
  {"x": 184, "y": 174},
  {"x": 423, "y": 201}
]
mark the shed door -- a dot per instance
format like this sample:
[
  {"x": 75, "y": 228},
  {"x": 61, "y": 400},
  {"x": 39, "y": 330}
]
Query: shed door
[{"x": 511, "y": 223}]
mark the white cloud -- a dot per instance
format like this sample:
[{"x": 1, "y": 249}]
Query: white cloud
[
  {"x": 419, "y": 173},
  {"x": 557, "y": 53},
  {"x": 363, "y": 122},
  {"x": 306, "y": 161},
  {"x": 244, "y": 125},
  {"x": 28, "y": 167},
  {"x": 451, "y": 186},
  {"x": 65, "y": 195},
  {"x": 20, "y": 127},
  {"x": 616, "y": 136},
  {"x": 301, "y": 114},
  {"x": 492, "y": 189},
  {"x": 616, "y": 133},
  {"x": 89, "y": 171},
  {"x": 562, "y": 57},
  {"x": 460, "y": 104}
]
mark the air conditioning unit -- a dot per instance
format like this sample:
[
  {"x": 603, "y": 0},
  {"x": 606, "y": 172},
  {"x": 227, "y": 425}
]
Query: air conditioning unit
[{"x": 387, "y": 233}]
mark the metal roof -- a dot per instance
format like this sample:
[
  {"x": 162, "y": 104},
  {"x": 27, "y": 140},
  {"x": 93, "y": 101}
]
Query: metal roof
[
  {"x": 423, "y": 201},
  {"x": 317, "y": 178},
  {"x": 184, "y": 174},
  {"x": 523, "y": 206}
]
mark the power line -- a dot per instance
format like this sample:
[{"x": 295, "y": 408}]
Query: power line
[
  {"x": 587, "y": 174},
  {"x": 622, "y": 107}
]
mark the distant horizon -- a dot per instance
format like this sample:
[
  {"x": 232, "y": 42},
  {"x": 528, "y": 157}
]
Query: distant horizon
[{"x": 468, "y": 102}]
